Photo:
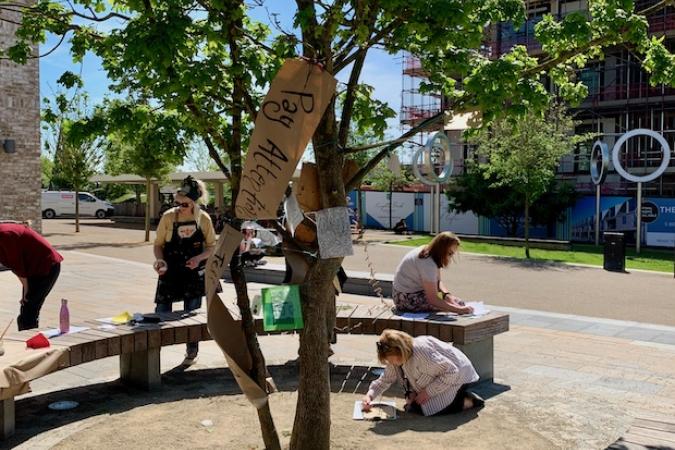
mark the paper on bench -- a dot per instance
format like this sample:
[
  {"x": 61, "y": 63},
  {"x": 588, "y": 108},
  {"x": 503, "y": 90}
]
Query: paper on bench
[
  {"x": 479, "y": 309},
  {"x": 56, "y": 332}
]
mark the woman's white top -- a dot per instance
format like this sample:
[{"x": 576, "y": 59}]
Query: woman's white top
[
  {"x": 412, "y": 272},
  {"x": 435, "y": 366}
]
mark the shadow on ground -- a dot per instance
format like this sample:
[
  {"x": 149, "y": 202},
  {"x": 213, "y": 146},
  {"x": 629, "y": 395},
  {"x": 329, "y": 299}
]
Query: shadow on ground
[
  {"x": 33, "y": 416},
  {"x": 534, "y": 264},
  {"x": 89, "y": 245}
]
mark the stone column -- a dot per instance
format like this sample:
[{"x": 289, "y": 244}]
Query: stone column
[{"x": 20, "y": 172}]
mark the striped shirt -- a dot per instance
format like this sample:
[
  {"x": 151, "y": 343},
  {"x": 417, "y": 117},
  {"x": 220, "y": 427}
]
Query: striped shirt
[{"x": 435, "y": 366}]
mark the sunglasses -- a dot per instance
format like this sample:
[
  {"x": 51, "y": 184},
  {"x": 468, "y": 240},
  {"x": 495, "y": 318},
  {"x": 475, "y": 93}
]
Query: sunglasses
[{"x": 182, "y": 205}]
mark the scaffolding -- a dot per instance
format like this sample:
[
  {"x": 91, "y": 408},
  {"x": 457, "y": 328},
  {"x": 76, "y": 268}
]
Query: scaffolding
[{"x": 416, "y": 105}]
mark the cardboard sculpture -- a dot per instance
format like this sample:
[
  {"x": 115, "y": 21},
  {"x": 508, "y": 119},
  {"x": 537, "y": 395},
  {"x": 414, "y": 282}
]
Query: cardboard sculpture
[{"x": 298, "y": 97}]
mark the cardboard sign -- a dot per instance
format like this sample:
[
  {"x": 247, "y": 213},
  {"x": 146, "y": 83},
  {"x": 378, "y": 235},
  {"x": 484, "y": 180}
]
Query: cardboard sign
[
  {"x": 293, "y": 107},
  {"x": 225, "y": 330}
]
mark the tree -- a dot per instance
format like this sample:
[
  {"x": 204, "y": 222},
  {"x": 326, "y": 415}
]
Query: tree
[
  {"x": 523, "y": 154},
  {"x": 383, "y": 179},
  {"x": 476, "y": 191},
  {"x": 143, "y": 141},
  {"x": 207, "y": 61},
  {"x": 77, "y": 162},
  {"x": 47, "y": 166}
]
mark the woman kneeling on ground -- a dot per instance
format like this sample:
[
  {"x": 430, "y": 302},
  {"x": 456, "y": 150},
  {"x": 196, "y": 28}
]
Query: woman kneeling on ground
[
  {"x": 417, "y": 283},
  {"x": 435, "y": 374}
]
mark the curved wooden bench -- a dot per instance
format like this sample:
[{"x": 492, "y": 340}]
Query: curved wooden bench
[{"x": 138, "y": 347}]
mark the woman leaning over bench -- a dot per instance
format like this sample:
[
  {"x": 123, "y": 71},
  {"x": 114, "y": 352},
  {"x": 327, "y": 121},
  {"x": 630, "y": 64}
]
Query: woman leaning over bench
[
  {"x": 435, "y": 375},
  {"x": 417, "y": 283}
]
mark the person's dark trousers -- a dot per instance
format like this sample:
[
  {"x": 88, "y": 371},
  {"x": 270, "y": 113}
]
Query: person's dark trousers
[
  {"x": 38, "y": 289},
  {"x": 191, "y": 348}
]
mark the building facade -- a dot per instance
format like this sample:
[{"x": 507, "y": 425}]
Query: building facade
[
  {"x": 620, "y": 99},
  {"x": 20, "y": 170}
]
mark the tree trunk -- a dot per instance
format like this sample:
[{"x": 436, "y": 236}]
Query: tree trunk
[
  {"x": 148, "y": 193},
  {"x": 77, "y": 211},
  {"x": 311, "y": 429},
  {"x": 527, "y": 226}
]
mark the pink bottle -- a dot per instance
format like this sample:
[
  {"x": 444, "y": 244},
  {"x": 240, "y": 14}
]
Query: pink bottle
[{"x": 64, "y": 317}]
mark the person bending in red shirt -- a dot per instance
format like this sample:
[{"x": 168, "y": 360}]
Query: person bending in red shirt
[{"x": 35, "y": 262}]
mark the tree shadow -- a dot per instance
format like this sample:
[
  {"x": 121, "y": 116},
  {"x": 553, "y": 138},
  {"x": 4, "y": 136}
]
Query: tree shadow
[
  {"x": 536, "y": 264},
  {"x": 33, "y": 416}
]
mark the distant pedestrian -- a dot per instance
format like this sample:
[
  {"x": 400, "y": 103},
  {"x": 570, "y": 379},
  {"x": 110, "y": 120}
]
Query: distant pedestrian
[
  {"x": 434, "y": 374},
  {"x": 35, "y": 262},
  {"x": 185, "y": 239}
]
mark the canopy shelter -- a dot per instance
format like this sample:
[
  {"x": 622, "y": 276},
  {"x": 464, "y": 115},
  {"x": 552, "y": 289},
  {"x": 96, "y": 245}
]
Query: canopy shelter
[{"x": 215, "y": 178}]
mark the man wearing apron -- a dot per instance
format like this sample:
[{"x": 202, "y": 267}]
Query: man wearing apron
[{"x": 185, "y": 239}]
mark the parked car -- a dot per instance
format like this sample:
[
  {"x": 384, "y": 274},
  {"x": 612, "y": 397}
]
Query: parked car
[{"x": 62, "y": 203}]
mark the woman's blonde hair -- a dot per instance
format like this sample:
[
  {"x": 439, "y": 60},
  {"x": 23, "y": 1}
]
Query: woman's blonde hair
[
  {"x": 394, "y": 343},
  {"x": 439, "y": 248}
]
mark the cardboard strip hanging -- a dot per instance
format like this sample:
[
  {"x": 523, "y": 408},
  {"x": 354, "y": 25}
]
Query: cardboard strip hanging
[
  {"x": 293, "y": 107},
  {"x": 228, "y": 333}
]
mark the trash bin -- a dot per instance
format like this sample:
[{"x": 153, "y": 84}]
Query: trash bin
[{"x": 614, "y": 252}]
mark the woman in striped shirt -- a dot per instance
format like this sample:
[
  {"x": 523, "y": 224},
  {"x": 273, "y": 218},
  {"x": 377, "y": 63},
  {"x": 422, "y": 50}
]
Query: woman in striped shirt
[{"x": 434, "y": 374}]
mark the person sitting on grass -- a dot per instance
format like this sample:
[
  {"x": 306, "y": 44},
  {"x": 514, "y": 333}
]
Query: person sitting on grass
[
  {"x": 417, "y": 283},
  {"x": 434, "y": 374}
]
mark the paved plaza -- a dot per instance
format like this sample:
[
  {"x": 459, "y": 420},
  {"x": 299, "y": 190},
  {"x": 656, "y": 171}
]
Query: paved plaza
[{"x": 587, "y": 353}]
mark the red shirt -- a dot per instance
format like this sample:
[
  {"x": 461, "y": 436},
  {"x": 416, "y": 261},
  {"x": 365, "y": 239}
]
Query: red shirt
[{"x": 25, "y": 252}]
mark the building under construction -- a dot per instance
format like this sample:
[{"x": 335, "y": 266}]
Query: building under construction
[{"x": 620, "y": 99}]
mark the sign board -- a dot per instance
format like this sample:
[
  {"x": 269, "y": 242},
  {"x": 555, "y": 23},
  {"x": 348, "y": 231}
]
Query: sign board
[
  {"x": 650, "y": 212},
  {"x": 289, "y": 115}
]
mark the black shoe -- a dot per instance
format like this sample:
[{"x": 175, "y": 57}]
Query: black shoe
[{"x": 478, "y": 401}]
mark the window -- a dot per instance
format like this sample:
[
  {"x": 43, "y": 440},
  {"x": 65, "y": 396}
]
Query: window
[{"x": 86, "y": 198}]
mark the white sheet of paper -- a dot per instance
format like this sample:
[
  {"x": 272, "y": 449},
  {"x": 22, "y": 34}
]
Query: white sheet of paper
[
  {"x": 334, "y": 232},
  {"x": 479, "y": 309},
  {"x": 358, "y": 409},
  {"x": 55, "y": 332},
  {"x": 293, "y": 213}
]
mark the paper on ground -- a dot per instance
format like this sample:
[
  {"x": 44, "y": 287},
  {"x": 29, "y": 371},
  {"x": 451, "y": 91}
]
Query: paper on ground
[
  {"x": 382, "y": 410},
  {"x": 56, "y": 332}
]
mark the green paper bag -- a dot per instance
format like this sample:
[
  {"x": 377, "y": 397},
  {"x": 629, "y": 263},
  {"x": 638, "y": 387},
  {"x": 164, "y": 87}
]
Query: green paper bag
[{"x": 281, "y": 308}]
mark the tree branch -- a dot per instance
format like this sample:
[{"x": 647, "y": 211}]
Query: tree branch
[
  {"x": 348, "y": 106},
  {"x": 370, "y": 165},
  {"x": 213, "y": 153}
]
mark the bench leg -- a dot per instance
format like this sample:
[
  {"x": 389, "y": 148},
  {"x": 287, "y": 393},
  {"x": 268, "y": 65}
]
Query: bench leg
[
  {"x": 481, "y": 355},
  {"x": 141, "y": 368},
  {"x": 7, "y": 422}
]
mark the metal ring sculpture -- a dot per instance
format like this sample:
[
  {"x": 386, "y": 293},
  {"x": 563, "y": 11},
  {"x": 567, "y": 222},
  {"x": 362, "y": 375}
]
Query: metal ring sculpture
[
  {"x": 665, "y": 160},
  {"x": 599, "y": 162},
  {"x": 424, "y": 155}
]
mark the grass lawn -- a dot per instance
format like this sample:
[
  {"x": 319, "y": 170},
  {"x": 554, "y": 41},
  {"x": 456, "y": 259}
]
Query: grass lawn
[{"x": 649, "y": 259}]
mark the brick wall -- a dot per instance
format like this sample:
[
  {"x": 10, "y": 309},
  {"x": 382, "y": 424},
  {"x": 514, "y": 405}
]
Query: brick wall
[{"x": 20, "y": 172}]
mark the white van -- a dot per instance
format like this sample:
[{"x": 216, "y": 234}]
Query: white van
[{"x": 60, "y": 203}]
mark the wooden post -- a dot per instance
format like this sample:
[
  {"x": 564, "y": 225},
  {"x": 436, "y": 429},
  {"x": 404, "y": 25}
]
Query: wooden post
[
  {"x": 141, "y": 368},
  {"x": 7, "y": 419}
]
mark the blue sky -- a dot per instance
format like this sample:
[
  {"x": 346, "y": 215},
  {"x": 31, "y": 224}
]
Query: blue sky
[{"x": 381, "y": 70}]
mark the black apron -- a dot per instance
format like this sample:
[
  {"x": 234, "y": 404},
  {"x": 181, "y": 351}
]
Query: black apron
[{"x": 181, "y": 283}]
